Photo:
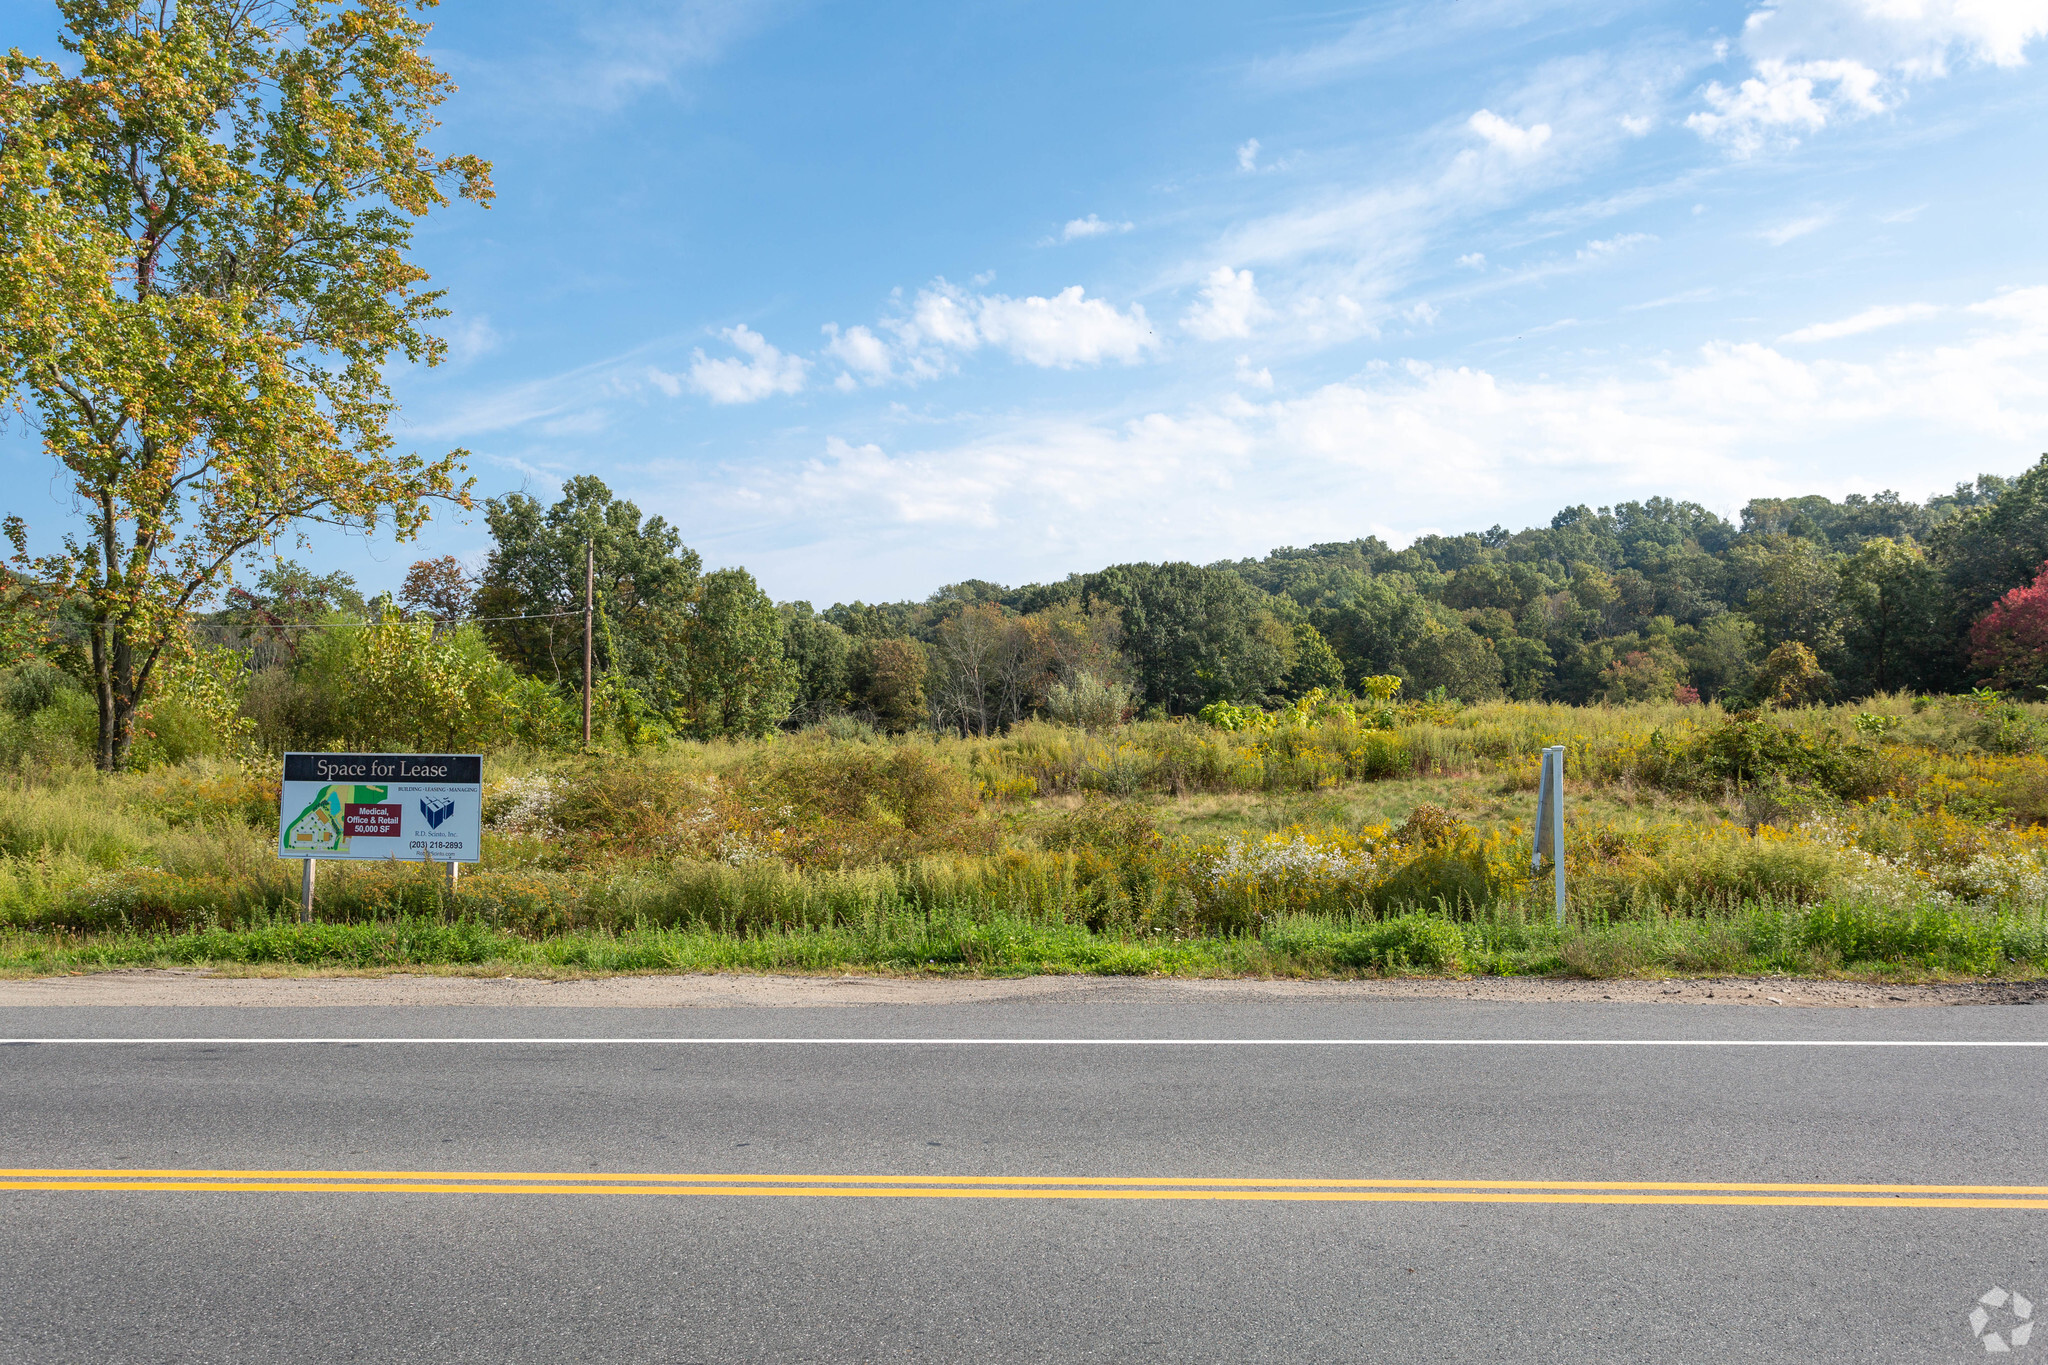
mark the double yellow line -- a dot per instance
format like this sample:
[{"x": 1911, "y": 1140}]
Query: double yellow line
[{"x": 64, "y": 1179}]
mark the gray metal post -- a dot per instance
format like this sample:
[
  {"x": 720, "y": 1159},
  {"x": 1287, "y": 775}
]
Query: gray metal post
[
  {"x": 454, "y": 872},
  {"x": 306, "y": 893},
  {"x": 1556, "y": 755}
]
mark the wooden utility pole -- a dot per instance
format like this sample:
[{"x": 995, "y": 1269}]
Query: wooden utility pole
[{"x": 589, "y": 621}]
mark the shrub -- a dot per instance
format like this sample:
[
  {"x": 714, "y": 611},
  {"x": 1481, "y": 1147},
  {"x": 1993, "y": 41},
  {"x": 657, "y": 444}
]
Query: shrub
[
  {"x": 1936, "y": 938},
  {"x": 1089, "y": 703},
  {"x": 1408, "y": 941}
]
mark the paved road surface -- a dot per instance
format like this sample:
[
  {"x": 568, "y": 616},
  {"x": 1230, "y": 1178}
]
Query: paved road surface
[{"x": 937, "y": 1271}]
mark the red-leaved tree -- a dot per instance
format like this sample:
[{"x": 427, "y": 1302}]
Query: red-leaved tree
[{"x": 2010, "y": 642}]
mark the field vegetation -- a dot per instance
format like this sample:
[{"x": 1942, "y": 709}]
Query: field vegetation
[{"x": 1903, "y": 836}]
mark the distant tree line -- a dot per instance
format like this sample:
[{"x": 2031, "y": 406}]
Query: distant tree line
[{"x": 1806, "y": 599}]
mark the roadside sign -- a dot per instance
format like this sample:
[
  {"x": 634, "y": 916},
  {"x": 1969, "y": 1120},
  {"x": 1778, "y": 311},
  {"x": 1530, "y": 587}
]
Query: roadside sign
[{"x": 370, "y": 807}]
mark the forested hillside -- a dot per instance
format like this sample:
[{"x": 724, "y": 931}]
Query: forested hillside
[
  {"x": 1639, "y": 601},
  {"x": 1806, "y": 600}
]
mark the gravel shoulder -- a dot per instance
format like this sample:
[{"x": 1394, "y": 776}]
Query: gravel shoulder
[{"x": 157, "y": 987}]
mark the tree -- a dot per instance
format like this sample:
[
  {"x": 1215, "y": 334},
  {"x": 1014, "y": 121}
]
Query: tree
[
  {"x": 439, "y": 589},
  {"x": 738, "y": 683},
  {"x": 288, "y": 601},
  {"x": 1996, "y": 545},
  {"x": 818, "y": 650},
  {"x": 1195, "y": 635},
  {"x": 1456, "y": 658},
  {"x": 204, "y": 230},
  {"x": 393, "y": 683},
  {"x": 1316, "y": 665},
  {"x": 1719, "y": 654},
  {"x": 2010, "y": 642},
  {"x": 1890, "y": 598},
  {"x": 1791, "y": 676},
  {"x": 1792, "y": 591},
  {"x": 887, "y": 677},
  {"x": 646, "y": 580},
  {"x": 1652, "y": 673}
]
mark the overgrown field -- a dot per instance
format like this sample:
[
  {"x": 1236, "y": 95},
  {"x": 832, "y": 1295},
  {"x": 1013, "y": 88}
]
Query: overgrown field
[{"x": 1907, "y": 836}]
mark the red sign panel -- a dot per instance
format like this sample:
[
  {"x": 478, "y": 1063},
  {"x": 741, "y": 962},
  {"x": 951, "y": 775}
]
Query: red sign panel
[{"x": 371, "y": 821}]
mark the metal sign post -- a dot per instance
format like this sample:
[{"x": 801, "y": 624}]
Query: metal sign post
[
  {"x": 306, "y": 892},
  {"x": 1550, "y": 821}
]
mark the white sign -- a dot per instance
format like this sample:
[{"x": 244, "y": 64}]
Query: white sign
[{"x": 412, "y": 807}]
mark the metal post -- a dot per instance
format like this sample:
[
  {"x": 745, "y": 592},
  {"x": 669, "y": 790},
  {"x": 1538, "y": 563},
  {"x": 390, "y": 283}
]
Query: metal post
[
  {"x": 1557, "y": 831},
  {"x": 589, "y": 596},
  {"x": 306, "y": 893},
  {"x": 454, "y": 871}
]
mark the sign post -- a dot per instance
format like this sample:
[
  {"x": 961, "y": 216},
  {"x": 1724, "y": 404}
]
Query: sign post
[
  {"x": 377, "y": 808},
  {"x": 1550, "y": 821}
]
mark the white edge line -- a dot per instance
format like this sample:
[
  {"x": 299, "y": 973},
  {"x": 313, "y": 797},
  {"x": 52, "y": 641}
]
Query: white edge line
[{"x": 1060, "y": 1042}]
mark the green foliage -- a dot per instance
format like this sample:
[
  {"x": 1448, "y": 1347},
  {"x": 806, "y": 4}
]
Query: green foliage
[
  {"x": 1423, "y": 941},
  {"x": 1996, "y": 544},
  {"x": 1748, "y": 751},
  {"x": 1195, "y": 635},
  {"x": 820, "y": 652},
  {"x": 1090, "y": 703},
  {"x": 1791, "y": 676},
  {"x": 887, "y": 680},
  {"x": 646, "y": 581},
  {"x": 404, "y": 685},
  {"x": 736, "y": 680},
  {"x": 205, "y": 220}
]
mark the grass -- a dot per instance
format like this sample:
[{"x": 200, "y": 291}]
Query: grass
[{"x": 1825, "y": 940}]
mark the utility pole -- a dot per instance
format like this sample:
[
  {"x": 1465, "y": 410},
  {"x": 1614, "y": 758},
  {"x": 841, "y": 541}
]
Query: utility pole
[{"x": 589, "y": 620}]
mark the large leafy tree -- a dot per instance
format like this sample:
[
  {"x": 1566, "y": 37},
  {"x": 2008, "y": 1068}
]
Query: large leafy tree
[
  {"x": 204, "y": 227},
  {"x": 1891, "y": 602},
  {"x": 533, "y": 583},
  {"x": 1195, "y": 635},
  {"x": 1996, "y": 544},
  {"x": 2010, "y": 642},
  {"x": 734, "y": 678}
]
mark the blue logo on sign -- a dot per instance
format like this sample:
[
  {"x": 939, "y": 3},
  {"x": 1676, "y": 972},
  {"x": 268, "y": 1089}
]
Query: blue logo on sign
[{"x": 436, "y": 809}]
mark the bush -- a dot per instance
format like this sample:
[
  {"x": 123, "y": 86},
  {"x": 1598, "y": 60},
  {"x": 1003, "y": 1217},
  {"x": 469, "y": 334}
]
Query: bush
[
  {"x": 1089, "y": 704},
  {"x": 1934, "y": 938},
  {"x": 1408, "y": 941}
]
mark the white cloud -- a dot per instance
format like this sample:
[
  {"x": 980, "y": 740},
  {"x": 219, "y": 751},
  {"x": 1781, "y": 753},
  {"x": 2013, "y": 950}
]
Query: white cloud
[
  {"x": 1091, "y": 226},
  {"x": 1453, "y": 446},
  {"x": 1602, "y": 248},
  {"x": 1507, "y": 136},
  {"x": 1783, "y": 99},
  {"x": 1869, "y": 320},
  {"x": 1060, "y": 332},
  {"x": 1821, "y": 61},
  {"x": 1228, "y": 307},
  {"x": 1795, "y": 228},
  {"x": 1261, "y": 378},
  {"x": 1065, "y": 330},
  {"x": 1916, "y": 38},
  {"x": 1248, "y": 155},
  {"x": 474, "y": 337},
  {"x": 763, "y": 370},
  {"x": 1474, "y": 260},
  {"x": 1422, "y": 313},
  {"x": 864, "y": 354},
  {"x": 1637, "y": 125}
]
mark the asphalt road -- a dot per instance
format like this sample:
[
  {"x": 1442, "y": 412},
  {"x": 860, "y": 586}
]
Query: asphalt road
[{"x": 925, "y": 1274}]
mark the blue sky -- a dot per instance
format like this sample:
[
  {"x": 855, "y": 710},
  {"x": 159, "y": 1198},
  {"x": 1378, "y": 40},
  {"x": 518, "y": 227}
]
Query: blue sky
[{"x": 872, "y": 298}]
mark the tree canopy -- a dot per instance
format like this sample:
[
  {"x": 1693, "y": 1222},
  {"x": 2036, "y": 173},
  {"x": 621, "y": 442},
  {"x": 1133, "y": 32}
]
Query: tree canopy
[{"x": 205, "y": 220}]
